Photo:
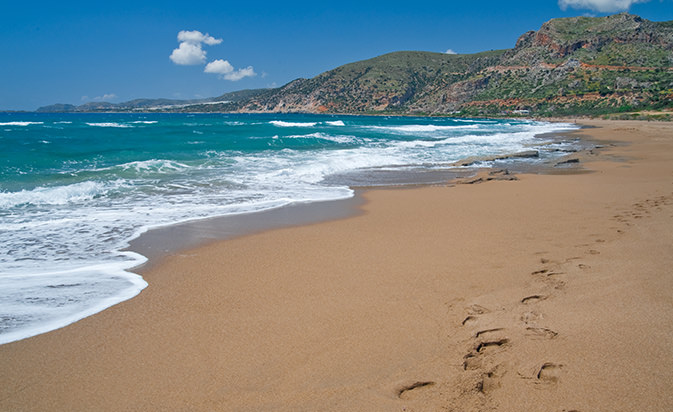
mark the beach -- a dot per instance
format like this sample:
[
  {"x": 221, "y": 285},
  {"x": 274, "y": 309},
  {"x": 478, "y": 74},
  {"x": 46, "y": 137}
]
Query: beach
[{"x": 551, "y": 292}]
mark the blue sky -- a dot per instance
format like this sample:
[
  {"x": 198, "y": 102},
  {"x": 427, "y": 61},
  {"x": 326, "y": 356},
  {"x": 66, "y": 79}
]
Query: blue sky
[{"x": 80, "y": 51}]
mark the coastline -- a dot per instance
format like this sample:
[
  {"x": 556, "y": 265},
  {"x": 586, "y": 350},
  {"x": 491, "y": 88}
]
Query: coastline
[
  {"x": 133, "y": 222},
  {"x": 379, "y": 311},
  {"x": 157, "y": 243}
]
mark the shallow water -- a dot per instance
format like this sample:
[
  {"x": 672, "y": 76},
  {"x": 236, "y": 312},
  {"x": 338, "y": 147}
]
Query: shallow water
[{"x": 76, "y": 188}]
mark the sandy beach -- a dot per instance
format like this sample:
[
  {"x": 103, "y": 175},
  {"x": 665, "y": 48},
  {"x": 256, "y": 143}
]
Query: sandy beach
[{"x": 552, "y": 292}]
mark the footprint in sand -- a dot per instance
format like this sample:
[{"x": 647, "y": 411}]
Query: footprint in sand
[
  {"x": 491, "y": 379},
  {"x": 405, "y": 390},
  {"x": 473, "y": 360},
  {"x": 487, "y": 332},
  {"x": 533, "y": 299},
  {"x": 473, "y": 312},
  {"x": 496, "y": 343},
  {"x": 531, "y": 317},
  {"x": 469, "y": 320},
  {"x": 541, "y": 333},
  {"x": 477, "y": 310},
  {"x": 546, "y": 272},
  {"x": 549, "y": 372}
]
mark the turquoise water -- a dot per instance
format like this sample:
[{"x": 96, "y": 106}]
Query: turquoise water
[{"x": 75, "y": 188}]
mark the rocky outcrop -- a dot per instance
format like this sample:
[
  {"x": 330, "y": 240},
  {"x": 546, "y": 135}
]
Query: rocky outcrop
[
  {"x": 564, "y": 61},
  {"x": 560, "y": 38}
]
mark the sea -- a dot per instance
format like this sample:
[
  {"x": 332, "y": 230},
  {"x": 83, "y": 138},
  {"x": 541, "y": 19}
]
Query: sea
[{"x": 75, "y": 189}]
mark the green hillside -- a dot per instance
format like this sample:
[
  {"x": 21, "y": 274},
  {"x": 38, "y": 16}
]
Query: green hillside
[
  {"x": 570, "y": 66},
  {"x": 581, "y": 65}
]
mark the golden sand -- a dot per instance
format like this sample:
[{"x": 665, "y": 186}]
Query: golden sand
[{"x": 549, "y": 293}]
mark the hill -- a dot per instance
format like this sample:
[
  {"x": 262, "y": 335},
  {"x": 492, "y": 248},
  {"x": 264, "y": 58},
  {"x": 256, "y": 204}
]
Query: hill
[
  {"x": 588, "y": 65},
  {"x": 227, "y": 100},
  {"x": 580, "y": 65}
]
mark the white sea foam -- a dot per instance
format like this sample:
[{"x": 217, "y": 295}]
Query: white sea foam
[
  {"x": 109, "y": 124},
  {"x": 280, "y": 123},
  {"x": 325, "y": 136},
  {"x": 77, "y": 230},
  {"x": 422, "y": 128},
  {"x": 480, "y": 121},
  {"x": 19, "y": 123},
  {"x": 59, "y": 195},
  {"x": 154, "y": 165},
  {"x": 335, "y": 123},
  {"x": 61, "y": 298},
  {"x": 145, "y": 122}
]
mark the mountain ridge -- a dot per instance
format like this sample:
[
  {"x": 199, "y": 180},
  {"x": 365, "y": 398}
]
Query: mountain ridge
[{"x": 576, "y": 65}]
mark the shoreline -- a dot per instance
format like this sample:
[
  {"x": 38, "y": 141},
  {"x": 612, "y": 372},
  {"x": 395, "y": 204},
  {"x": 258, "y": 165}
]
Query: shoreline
[
  {"x": 158, "y": 243},
  {"x": 170, "y": 238},
  {"x": 502, "y": 294}
]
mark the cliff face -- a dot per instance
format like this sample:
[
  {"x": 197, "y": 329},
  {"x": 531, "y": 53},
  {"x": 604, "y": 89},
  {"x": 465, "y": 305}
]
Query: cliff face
[
  {"x": 621, "y": 40},
  {"x": 571, "y": 65}
]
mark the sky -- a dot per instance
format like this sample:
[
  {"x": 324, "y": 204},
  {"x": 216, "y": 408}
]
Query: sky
[{"x": 76, "y": 52}]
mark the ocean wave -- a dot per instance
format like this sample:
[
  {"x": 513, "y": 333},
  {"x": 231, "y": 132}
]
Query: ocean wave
[
  {"x": 19, "y": 123},
  {"x": 280, "y": 123},
  {"x": 422, "y": 128},
  {"x": 154, "y": 165},
  {"x": 109, "y": 124},
  {"x": 146, "y": 122},
  {"x": 324, "y": 136},
  {"x": 92, "y": 221},
  {"x": 61, "y": 298},
  {"x": 476, "y": 121},
  {"x": 57, "y": 195}
]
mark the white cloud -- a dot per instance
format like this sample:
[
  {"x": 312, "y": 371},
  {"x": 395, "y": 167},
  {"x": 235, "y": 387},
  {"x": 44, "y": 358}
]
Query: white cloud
[
  {"x": 188, "y": 54},
  {"x": 240, "y": 74},
  {"x": 449, "y": 51},
  {"x": 106, "y": 96},
  {"x": 602, "y": 6},
  {"x": 190, "y": 51},
  {"x": 219, "y": 66},
  {"x": 196, "y": 37},
  {"x": 227, "y": 72}
]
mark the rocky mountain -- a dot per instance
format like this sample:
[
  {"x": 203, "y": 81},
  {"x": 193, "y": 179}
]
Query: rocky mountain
[
  {"x": 580, "y": 65},
  {"x": 395, "y": 82},
  {"x": 571, "y": 65},
  {"x": 583, "y": 65}
]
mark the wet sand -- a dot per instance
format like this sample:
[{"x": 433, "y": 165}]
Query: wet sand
[{"x": 548, "y": 293}]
